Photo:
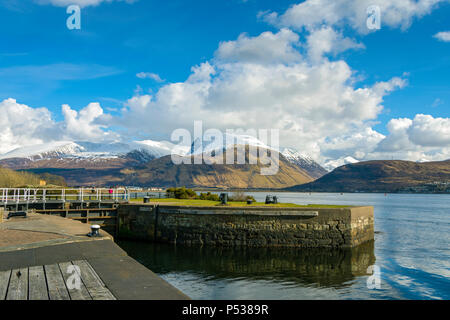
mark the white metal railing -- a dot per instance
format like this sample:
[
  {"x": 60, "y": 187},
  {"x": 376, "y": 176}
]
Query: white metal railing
[{"x": 32, "y": 195}]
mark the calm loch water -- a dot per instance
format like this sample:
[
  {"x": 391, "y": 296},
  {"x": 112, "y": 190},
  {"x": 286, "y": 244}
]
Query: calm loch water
[{"x": 411, "y": 248}]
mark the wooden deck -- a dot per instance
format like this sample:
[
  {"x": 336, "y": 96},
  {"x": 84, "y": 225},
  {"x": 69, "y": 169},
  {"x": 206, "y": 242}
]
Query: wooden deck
[{"x": 53, "y": 282}]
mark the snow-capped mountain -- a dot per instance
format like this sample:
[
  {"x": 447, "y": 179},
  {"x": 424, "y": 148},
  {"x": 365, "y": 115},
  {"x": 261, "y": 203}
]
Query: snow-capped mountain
[
  {"x": 88, "y": 150},
  {"x": 78, "y": 154},
  {"x": 303, "y": 161},
  {"x": 155, "y": 149},
  {"x": 229, "y": 140},
  {"x": 56, "y": 149},
  {"x": 333, "y": 164},
  {"x": 314, "y": 169}
]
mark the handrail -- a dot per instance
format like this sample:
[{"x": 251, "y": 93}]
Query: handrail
[{"x": 32, "y": 195}]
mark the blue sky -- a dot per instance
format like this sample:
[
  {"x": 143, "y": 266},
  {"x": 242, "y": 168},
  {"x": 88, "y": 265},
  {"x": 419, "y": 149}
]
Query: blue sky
[
  {"x": 43, "y": 64},
  {"x": 166, "y": 37}
]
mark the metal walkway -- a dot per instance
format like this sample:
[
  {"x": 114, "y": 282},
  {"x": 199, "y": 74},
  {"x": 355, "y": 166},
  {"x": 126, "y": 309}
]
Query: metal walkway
[{"x": 33, "y": 195}]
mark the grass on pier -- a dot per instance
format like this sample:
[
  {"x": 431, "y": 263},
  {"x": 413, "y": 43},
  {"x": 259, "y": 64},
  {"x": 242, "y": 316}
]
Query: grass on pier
[{"x": 209, "y": 203}]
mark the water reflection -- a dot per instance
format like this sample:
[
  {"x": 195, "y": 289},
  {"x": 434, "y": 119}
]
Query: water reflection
[{"x": 319, "y": 267}]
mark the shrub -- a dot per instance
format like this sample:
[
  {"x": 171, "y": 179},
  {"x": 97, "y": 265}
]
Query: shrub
[
  {"x": 209, "y": 196},
  {"x": 181, "y": 193}
]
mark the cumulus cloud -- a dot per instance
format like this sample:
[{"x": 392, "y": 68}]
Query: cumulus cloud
[
  {"x": 84, "y": 124},
  {"x": 22, "y": 125},
  {"x": 265, "y": 48},
  {"x": 149, "y": 75},
  {"x": 251, "y": 85},
  {"x": 25, "y": 126},
  {"x": 427, "y": 131},
  {"x": 326, "y": 40},
  {"x": 81, "y": 3},
  {"x": 423, "y": 138},
  {"x": 355, "y": 144},
  {"x": 443, "y": 36},
  {"x": 311, "y": 14}
]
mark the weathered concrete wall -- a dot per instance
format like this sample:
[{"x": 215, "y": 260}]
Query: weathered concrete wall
[{"x": 253, "y": 227}]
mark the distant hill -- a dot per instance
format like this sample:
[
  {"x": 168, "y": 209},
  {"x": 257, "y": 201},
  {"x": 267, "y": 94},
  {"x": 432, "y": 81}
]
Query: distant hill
[
  {"x": 383, "y": 176},
  {"x": 13, "y": 179}
]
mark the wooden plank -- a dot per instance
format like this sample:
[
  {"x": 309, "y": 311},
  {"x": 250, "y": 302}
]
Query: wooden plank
[
  {"x": 37, "y": 285},
  {"x": 4, "y": 282},
  {"x": 18, "y": 285},
  {"x": 75, "y": 294},
  {"x": 56, "y": 287},
  {"x": 92, "y": 281}
]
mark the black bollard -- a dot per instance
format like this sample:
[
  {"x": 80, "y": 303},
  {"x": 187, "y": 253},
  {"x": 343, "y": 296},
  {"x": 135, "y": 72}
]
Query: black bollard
[{"x": 224, "y": 198}]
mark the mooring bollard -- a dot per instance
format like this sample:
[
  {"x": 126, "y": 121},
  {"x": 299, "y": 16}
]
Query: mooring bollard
[
  {"x": 95, "y": 228},
  {"x": 224, "y": 198},
  {"x": 271, "y": 199},
  {"x": 146, "y": 199}
]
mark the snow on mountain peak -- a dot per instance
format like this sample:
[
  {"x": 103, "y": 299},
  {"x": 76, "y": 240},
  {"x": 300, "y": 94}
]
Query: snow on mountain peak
[
  {"x": 155, "y": 149},
  {"x": 292, "y": 154},
  {"x": 147, "y": 150},
  {"x": 229, "y": 140},
  {"x": 45, "y": 150},
  {"x": 333, "y": 164}
]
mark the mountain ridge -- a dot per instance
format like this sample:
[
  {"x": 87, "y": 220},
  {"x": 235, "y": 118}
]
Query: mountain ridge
[
  {"x": 82, "y": 163},
  {"x": 382, "y": 176}
]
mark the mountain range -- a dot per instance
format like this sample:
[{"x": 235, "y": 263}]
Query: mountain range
[
  {"x": 383, "y": 176},
  {"x": 148, "y": 163}
]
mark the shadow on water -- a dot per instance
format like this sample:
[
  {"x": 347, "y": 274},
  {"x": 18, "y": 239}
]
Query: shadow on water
[{"x": 318, "y": 267}]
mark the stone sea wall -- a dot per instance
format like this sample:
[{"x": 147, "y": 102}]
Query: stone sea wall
[{"x": 252, "y": 227}]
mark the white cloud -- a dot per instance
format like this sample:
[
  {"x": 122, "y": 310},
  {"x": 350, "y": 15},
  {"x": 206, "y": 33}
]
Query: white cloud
[
  {"x": 443, "y": 36},
  {"x": 26, "y": 126},
  {"x": 85, "y": 124},
  {"x": 21, "y": 125},
  {"x": 356, "y": 144},
  {"x": 265, "y": 48},
  {"x": 311, "y": 14},
  {"x": 277, "y": 89},
  {"x": 81, "y": 3},
  {"x": 326, "y": 40},
  {"x": 423, "y": 138},
  {"x": 427, "y": 131},
  {"x": 149, "y": 75}
]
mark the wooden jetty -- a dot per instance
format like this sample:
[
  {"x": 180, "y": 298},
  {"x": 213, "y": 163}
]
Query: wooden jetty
[
  {"x": 40, "y": 255},
  {"x": 52, "y": 282}
]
